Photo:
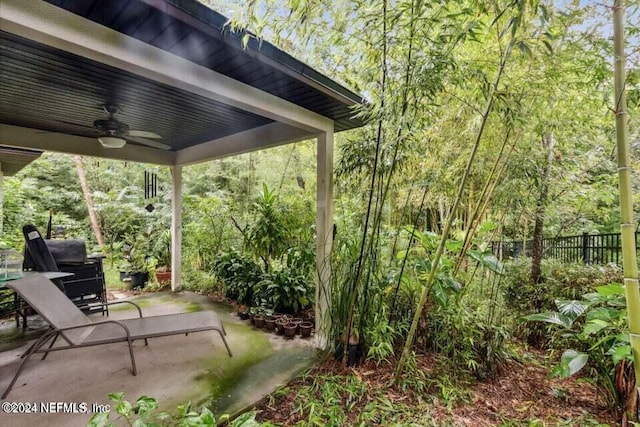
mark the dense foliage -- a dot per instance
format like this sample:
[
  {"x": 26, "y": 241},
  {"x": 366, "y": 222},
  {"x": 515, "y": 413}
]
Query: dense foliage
[{"x": 561, "y": 281}]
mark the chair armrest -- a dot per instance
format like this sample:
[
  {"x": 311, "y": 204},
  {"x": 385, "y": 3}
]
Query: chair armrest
[
  {"x": 102, "y": 322},
  {"x": 125, "y": 302}
]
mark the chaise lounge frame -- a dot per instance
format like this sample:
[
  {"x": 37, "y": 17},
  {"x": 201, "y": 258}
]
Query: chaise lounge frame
[{"x": 67, "y": 321}]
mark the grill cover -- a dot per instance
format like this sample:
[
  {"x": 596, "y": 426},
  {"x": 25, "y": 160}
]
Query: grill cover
[{"x": 68, "y": 251}]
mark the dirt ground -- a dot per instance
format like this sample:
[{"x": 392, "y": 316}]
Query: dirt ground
[{"x": 521, "y": 393}]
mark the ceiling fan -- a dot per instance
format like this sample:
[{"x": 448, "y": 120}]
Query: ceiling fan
[{"x": 115, "y": 134}]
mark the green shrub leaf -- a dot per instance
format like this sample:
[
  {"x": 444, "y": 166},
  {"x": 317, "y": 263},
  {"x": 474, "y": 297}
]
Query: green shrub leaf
[
  {"x": 572, "y": 362},
  {"x": 552, "y": 317},
  {"x": 571, "y": 308}
]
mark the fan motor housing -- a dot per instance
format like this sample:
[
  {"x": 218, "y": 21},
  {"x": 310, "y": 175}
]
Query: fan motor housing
[{"x": 111, "y": 125}]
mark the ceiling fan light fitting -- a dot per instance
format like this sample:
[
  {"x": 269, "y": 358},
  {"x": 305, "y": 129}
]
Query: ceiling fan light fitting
[{"x": 112, "y": 141}]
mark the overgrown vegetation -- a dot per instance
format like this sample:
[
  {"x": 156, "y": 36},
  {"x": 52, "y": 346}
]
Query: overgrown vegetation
[
  {"x": 561, "y": 281},
  {"x": 144, "y": 413}
]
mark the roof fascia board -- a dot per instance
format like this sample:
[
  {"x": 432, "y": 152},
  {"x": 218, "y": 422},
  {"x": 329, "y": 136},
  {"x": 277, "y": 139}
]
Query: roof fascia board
[
  {"x": 56, "y": 27},
  {"x": 256, "y": 49}
]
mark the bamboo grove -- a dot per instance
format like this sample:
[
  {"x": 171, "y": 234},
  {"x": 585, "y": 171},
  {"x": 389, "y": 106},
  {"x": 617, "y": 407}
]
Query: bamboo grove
[{"x": 474, "y": 135}]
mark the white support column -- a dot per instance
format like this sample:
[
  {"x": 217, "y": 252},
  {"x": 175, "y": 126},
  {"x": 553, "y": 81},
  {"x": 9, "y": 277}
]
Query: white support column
[
  {"x": 176, "y": 228},
  {"x": 1, "y": 199},
  {"x": 324, "y": 232}
]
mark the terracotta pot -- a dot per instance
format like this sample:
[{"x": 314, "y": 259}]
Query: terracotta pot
[
  {"x": 280, "y": 326},
  {"x": 163, "y": 277},
  {"x": 305, "y": 329},
  {"x": 270, "y": 323},
  {"x": 297, "y": 322},
  {"x": 259, "y": 321},
  {"x": 290, "y": 330}
]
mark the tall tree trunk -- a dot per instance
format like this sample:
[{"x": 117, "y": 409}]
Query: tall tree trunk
[
  {"x": 536, "y": 249},
  {"x": 82, "y": 176},
  {"x": 627, "y": 225}
]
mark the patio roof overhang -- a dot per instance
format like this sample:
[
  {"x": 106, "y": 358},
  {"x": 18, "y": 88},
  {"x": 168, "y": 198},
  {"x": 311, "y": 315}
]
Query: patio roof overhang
[
  {"x": 171, "y": 66},
  {"x": 12, "y": 160}
]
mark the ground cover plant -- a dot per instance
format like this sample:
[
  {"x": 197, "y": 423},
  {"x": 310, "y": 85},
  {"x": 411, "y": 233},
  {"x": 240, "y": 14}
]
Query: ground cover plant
[{"x": 524, "y": 396}]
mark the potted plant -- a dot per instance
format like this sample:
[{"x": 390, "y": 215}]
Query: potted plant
[
  {"x": 124, "y": 269},
  {"x": 138, "y": 262},
  {"x": 243, "y": 312},
  {"x": 280, "y": 325},
  {"x": 270, "y": 323},
  {"x": 259, "y": 320},
  {"x": 305, "y": 329},
  {"x": 162, "y": 252},
  {"x": 269, "y": 320},
  {"x": 141, "y": 272},
  {"x": 290, "y": 329}
]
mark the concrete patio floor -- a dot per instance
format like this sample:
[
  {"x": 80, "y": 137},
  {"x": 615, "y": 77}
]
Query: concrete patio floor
[{"x": 174, "y": 370}]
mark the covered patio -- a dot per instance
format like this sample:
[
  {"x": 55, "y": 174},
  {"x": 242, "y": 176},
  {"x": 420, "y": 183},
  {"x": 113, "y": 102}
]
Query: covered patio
[
  {"x": 172, "y": 69},
  {"x": 170, "y": 84},
  {"x": 174, "y": 370}
]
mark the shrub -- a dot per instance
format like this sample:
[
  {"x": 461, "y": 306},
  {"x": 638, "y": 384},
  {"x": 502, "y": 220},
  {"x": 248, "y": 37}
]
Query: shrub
[
  {"x": 197, "y": 280},
  {"x": 560, "y": 281},
  {"x": 144, "y": 412},
  {"x": 239, "y": 274},
  {"x": 595, "y": 329},
  {"x": 285, "y": 291},
  {"x": 464, "y": 340}
]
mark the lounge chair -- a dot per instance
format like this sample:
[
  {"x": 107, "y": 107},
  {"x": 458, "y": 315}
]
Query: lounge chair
[{"x": 77, "y": 330}]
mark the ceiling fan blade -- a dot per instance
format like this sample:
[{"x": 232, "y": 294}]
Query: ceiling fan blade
[
  {"x": 148, "y": 142},
  {"x": 144, "y": 134}
]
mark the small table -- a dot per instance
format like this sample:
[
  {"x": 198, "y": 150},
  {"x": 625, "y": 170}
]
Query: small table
[{"x": 19, "y": 306}]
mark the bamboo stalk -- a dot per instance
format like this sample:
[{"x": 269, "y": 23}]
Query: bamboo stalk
[
  {"x": 627, "y": 225},
  {"x": 379, "y": 136},
  {"x": 445, "y": 232},
  {"x": 474, "y": 218}
]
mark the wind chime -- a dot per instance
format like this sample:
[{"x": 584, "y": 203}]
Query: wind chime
[{"x": 150, "y": 188}]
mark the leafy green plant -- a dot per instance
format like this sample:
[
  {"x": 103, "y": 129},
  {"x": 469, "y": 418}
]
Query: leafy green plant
[
  {"x": 268, "y": 234},
  {"x": 286, "y": 291},
  {"x": 239, "y": 274},
  {"x": 143, "y": 413},
  {"x": 560, "y": 281},
  {"x": 453, "y": 325},
  {"x": 595, "y": 328},
  {"x": 464, "y": 341},
  {"x": 162, "y": 248},
  {"x": 382, "y": 336},
  {"x": 339, "y": 400}
]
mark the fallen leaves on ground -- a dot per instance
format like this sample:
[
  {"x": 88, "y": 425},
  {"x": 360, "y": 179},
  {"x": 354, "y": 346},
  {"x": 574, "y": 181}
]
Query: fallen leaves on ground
[{"x": 521, "y": 393}]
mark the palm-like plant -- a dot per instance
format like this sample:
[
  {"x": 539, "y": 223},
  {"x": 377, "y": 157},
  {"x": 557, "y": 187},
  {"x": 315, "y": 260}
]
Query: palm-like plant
[{"x": 268, "y": 235}]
